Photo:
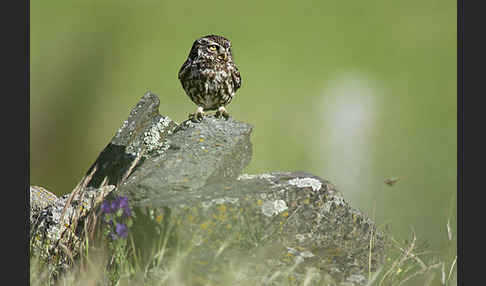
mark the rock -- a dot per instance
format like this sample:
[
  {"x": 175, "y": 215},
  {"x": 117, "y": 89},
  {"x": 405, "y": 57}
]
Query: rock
[
  {"x": 185, "y": 156},
  {"x": 142, "y": 134},
  {"x": 197, "y": 155},
  {"x": 40, "y": 199},
  {"x": 188, "y": 176},
  {"x": 55, "y": 232},
  {"x": 301, "y": 217},
  {"x": 150, "y": 146}
]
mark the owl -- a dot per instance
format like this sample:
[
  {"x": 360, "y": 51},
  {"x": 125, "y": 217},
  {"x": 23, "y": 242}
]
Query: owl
[{"x": 209, "y": 76}]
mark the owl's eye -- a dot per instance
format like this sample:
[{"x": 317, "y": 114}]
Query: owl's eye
[{"x": 213, "y": 47}]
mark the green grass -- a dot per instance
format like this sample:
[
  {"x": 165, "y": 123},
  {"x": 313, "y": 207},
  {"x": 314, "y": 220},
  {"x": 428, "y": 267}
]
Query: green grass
[
  {"x": 162, "y": 260},
  {"x": 154, "y": 254}
]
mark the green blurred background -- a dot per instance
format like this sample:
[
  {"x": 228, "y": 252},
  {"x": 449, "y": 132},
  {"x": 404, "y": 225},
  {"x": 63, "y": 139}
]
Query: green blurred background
[{"x": 352, "y": 91}]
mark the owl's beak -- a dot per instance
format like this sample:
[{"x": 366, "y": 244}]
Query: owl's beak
[{"x": 223, "y": 56}]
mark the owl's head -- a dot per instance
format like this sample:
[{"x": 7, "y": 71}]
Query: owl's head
[{"x": 213, "y": 48}]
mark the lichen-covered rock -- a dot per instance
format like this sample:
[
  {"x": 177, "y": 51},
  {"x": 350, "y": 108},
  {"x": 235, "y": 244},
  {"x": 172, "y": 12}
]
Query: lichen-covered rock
[
  {"x": 199, "y": 154},
  {"x": 185, "y": 179},
  {"x": 176, "y": 157},
  {"x": 143, "y": 135},
  {"x": 301, "y": 217},
  {"x": 147, "y": 146},
  {"x": 54, "y": 228},
  {"x": 40, "y": 199}
]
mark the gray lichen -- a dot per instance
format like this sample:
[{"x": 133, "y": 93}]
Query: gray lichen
[
  {"x": 306, "y": 182},
  {"x": 153, "y": 140},
  {"x": 271, "y": 208}
]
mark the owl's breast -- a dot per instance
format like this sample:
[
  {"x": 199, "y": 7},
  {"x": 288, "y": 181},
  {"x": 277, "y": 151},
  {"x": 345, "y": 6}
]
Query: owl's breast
[{"x": 209, "y": 87}]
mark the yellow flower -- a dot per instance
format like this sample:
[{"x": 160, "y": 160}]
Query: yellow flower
[
  {"x": 205, "y": 225},
  {"x": 222, "y": 208}
]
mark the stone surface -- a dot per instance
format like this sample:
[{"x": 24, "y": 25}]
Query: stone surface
[
  {"x": 198, "y": 154},
  {"x": 54, "y": 229},
  {"x": 301, "y": 217},
  {"x": 142, "y": 134},
  {"x": 188, "y": 176},
  {"x": 156, "y": 150},
  {"x": 40, "y": 199}
]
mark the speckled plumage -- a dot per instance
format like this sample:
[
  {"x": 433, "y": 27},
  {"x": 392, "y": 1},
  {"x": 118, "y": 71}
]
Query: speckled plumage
[{"x": 209, "y": 76}]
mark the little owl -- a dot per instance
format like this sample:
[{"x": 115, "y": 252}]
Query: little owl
[{"x": 209, "y": 76}]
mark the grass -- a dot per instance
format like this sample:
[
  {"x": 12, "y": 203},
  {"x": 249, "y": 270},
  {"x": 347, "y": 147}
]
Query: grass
[
  {"x": 163, "y": 261},
  {"x": 153, "y": 254},
  {"x": 412, "y": 262}
]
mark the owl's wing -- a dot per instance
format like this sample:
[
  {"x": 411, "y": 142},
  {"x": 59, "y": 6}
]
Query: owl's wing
[
  {"x": 236, "y": 77},
  {"x": 183, "y": 69}
]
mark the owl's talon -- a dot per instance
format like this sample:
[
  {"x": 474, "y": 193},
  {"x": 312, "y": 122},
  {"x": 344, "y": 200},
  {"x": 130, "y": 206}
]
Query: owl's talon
[
  {"x": 198, "y": 115},
  {"x": 193, "y": 118},
  {"x": 222, "y": 112}
]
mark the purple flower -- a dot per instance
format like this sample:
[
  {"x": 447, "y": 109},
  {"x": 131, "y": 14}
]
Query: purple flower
[
  {"x": 122, "y": 203},
  {"x": 126, "y": 207},
  {"x": 121, "y": 230},
  {"x": 105, "y": 207},
  {"x": 114, "y": 206},
  {"x": 119, "y": 207},
  {"x": 127, "y": 212}
]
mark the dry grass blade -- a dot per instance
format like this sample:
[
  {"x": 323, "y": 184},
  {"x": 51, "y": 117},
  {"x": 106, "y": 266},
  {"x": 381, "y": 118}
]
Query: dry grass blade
[
  {"x": 369, "y": 254},
  {"x": 452, "y": 268},
  {"x": 130, "y": 169},
  {"x": 67, "y": 251},
  {"x": 104, "y": 191},
  {"x": 371, "y": 243},
  {"x": 420, "y": 272},
  {"x": 104, "y": 182},
  {"x": 408, "y": 254},
  {"x": 443, "y": 278},
  {"x": 412, "y": 255},
  {"x": 373, "y": 278},
  {"x": 81, "y": 185},
  {"x": 79, "y": 209},
  {"x": 403, "y": 257},
  {"x": 93, "y": 201},
  {"x": 449, "y": 231},
  {"x": 92, "y": 219}
]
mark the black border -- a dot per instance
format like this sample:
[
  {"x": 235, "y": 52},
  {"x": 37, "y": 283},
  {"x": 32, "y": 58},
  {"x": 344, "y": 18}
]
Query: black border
[
  {"x": 15, "y": 134},
  {"x": 471, "y": 143},
  {"x": 26, "y": 193},
  {"x": 459, "y": 141},
  {"x": 27, "y": 97}
]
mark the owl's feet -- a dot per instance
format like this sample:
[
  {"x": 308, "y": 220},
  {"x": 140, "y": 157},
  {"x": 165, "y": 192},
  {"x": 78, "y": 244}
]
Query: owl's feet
[
  {"x": 222, "y": 112},
  {"x": 198, "y": 115}
]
